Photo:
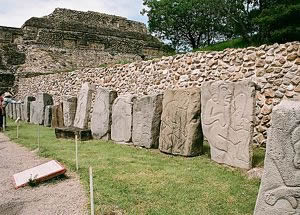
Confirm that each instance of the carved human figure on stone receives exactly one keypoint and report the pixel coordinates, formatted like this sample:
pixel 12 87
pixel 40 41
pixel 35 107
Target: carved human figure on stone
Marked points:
pixel 224 113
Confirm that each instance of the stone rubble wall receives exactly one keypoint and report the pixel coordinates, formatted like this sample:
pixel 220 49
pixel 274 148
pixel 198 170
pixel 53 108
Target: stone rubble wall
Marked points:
pixel 275 69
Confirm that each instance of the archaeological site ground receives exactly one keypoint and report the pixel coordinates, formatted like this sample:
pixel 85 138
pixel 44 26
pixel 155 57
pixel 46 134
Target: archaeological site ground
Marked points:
pixel 198 133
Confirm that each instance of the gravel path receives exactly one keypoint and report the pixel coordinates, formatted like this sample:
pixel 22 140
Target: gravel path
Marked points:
pixel 62 197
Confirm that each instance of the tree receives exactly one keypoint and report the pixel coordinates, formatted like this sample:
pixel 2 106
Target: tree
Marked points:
pixel 186 23
pixel 279 21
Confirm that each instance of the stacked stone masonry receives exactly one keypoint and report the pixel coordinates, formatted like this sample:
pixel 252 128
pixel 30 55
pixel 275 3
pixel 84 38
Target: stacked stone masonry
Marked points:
pixel 274 69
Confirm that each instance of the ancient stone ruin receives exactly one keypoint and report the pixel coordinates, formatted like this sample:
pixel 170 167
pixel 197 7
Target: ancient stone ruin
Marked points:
pixel 180 130
pixel 279 190
pixel 102 113
pixel 228 121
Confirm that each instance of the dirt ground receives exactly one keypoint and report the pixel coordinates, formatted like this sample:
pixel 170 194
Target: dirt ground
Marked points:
pixel 57 197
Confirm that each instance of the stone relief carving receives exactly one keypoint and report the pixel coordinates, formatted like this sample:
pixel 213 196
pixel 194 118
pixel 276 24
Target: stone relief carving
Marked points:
pixel 280 188
pixel 227 121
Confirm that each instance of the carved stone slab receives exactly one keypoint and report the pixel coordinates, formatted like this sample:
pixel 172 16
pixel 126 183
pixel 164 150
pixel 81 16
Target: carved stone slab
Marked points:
pixel 57 116
pixel 146 121
pixel 18 110
pixel 121 128
pixel 83 106
pixel 228 121
pixel 37 108
pixel 26 113
pixel 102 113
pixel 40 173
pixel 180 130
pixel 48 116
pixel 14 111
pixel 33 113
pixel 279 191
pixel 69 110
pixel 10 110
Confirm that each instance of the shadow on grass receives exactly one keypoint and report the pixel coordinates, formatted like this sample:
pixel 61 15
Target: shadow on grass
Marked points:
pixel 258 157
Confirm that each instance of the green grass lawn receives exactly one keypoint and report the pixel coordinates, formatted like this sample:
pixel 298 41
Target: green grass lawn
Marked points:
pixel 139 181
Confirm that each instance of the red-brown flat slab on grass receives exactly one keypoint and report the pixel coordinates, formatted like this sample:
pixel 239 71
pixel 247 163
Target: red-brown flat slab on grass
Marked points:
pixel 39 173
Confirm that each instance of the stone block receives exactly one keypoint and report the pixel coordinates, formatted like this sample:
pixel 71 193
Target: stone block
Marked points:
pixel 26 113
pixel 18 110
pixel 84 101
pixel 228 121
pixel 69 110
pixel 48 116
pixel 180 130
pixel 70 132
pixel 102 113
pixel 33 113
pixel 14 111
pixel 57 116
pixel 146 121
pixel 22 112
pixel 280 185
pixel 121 128
pixel 42 100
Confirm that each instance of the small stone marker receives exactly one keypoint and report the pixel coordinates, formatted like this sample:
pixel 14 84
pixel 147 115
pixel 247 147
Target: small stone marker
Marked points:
pixel 180 130
pixel 83 106
pixel 146 121
pixel 14 111
pixel 228 121
pixel 33 113
pixel 69 110
pixel 102 113
pixel 48 116
pixel 43 99
pixel 279 191
pixel 57 116
pixel 39 173
pixel 18 110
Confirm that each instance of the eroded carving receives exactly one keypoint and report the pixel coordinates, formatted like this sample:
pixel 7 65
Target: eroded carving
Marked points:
pixel 280 188
pixel 180 131
pixel 227 121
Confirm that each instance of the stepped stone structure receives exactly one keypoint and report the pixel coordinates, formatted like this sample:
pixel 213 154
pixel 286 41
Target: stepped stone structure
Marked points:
pixel 146 121
pixel 280 186
pixel 67 39
pixel 102 113
pixel 121 128
pixel 228 121
pixel 180 130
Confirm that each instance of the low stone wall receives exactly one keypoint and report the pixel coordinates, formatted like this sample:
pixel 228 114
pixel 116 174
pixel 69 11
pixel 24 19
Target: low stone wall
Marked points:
pixel 275 69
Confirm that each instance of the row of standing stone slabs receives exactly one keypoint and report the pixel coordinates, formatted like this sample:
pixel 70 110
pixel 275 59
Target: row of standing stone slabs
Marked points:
pixel 227 119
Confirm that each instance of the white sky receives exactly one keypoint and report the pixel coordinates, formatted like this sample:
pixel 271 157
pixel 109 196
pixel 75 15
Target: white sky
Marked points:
pixel 14 13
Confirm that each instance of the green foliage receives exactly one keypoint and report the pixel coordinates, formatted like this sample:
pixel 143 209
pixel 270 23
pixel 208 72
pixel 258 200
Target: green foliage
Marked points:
pixel 279 22
pixel 235 43
pixel 135 181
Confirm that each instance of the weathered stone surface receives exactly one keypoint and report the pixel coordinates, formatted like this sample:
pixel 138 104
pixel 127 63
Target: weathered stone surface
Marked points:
pixel 83 106
pixel 42 100
pixel 48 116
pixel 70 132
pixel 11 110
pixel 69 110
pixel 227 121
pixel 18 110
pixel 14 111
pixel 121 127
pixel 33 112
pixel 26 113
pixel 180 130
pixel 146 121
pixel 57 116
pixel 22 112
pixel 280 186
pixel 102 113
